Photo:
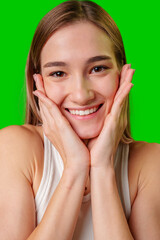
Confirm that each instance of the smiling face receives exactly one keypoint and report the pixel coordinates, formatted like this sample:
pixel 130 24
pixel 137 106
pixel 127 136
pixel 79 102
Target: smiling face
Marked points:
pixel 80 75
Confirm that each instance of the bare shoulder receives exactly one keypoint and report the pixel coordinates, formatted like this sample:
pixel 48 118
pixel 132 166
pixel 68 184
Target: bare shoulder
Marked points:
pixel 144 179
pixel 23 133
pixel 22 145
pixel 144 160
pixel 21 158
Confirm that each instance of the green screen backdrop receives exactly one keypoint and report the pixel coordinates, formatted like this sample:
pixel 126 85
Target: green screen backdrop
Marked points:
pixel 138 22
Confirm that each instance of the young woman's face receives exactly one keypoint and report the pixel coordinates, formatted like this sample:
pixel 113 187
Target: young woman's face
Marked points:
pixel 81 76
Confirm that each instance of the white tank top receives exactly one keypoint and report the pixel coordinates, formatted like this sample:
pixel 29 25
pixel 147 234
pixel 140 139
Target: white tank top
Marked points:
pixel 52 172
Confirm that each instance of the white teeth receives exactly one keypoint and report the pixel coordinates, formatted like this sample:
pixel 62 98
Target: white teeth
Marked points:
pixel 85 112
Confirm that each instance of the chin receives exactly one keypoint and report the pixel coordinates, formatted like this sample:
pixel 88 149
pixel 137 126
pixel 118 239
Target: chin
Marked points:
pixel 88 133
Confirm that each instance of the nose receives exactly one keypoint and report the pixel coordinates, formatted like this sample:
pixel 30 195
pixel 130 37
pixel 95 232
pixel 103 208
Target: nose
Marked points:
pixel 82 92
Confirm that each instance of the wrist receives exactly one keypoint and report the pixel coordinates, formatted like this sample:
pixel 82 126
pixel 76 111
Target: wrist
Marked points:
pixel 71 177
pixel 103 171
pixel 103 178
pixel 77 170
pixel 104 163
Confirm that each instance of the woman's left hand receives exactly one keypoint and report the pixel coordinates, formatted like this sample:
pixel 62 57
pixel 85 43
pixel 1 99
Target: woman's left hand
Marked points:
pixel 103 148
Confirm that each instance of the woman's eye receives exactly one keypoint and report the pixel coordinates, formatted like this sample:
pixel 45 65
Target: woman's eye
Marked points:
pixel 99 68
pixel 57 74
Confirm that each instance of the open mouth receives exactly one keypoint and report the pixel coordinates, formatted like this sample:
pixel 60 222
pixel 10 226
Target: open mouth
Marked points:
pixel 84 112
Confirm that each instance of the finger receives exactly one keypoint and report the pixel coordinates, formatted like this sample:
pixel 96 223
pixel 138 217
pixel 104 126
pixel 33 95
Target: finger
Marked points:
pixel 119 101
pixel 39 82
pixel 127 79
pixel 48 122
pixel 45 114
pixel 48 126
pixel 51 106
pixel 128 75
pixel 123 72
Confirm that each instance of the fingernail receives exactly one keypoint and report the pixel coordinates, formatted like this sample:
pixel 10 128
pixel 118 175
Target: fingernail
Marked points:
pixel 129 65
pixel 35 77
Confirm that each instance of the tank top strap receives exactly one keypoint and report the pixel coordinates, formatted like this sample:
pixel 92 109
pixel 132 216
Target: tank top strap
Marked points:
pixel 121 170
pixel 52 172
pixel 47 170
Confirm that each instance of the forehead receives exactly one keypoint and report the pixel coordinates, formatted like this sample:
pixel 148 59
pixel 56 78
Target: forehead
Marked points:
pixel 77 40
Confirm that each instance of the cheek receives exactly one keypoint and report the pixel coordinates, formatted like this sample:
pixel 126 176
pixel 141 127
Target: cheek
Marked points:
pixel 55 93
pixel 116 82
pixel 110 86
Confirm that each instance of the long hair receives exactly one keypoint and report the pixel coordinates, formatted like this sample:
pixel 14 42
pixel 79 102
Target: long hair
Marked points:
pixel 62 15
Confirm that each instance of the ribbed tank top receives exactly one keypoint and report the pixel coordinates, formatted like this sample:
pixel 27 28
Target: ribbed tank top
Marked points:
pixel 52 173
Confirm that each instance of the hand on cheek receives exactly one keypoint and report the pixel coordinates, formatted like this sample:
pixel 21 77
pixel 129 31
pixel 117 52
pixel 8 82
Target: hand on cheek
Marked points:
pixel 103 148
pixel 60 133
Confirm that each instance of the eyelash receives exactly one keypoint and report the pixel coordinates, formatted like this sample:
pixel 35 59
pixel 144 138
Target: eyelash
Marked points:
pixel 101 66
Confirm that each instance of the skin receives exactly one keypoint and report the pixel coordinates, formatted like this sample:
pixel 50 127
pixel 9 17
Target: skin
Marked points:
pixel 79 85
pixel 22 170
pixel 80 88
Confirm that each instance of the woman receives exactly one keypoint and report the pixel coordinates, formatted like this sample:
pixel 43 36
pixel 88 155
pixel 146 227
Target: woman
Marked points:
pixel 73 171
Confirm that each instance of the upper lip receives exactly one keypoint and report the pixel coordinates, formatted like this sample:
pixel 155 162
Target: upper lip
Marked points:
pixel 85 108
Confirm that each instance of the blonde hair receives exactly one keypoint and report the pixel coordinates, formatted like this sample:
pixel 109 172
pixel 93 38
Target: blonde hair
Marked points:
pixel 66 13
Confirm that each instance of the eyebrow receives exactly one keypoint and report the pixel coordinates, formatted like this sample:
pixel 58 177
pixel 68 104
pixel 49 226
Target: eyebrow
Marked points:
pixel 90 60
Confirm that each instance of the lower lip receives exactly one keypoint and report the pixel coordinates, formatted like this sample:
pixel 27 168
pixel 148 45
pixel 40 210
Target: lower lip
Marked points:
pixel 84 117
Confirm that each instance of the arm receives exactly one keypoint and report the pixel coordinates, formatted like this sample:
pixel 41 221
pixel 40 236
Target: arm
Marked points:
pixel 61 215
pixel 17 208
pixel 109 221
pixel 108 217
pixel 144 220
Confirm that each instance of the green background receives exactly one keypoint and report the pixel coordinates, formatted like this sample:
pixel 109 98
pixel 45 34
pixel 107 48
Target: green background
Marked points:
pixel 138 22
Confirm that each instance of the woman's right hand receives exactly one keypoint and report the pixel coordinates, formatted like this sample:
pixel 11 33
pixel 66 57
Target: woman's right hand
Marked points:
pixel 58 130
